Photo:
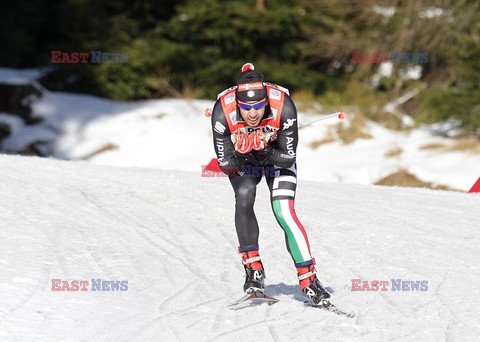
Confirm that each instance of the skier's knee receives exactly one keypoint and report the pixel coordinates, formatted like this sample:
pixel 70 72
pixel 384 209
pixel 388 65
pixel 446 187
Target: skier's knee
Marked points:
pixel 245 197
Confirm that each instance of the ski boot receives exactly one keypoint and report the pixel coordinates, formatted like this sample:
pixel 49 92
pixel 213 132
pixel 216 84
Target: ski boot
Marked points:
pixel 254 273
pixel 311 286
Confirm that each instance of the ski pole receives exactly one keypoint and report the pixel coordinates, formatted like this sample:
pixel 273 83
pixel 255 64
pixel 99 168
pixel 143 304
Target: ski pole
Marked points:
pixel 340 115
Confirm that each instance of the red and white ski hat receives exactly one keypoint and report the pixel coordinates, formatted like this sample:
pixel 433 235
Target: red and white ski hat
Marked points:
pixel 250 85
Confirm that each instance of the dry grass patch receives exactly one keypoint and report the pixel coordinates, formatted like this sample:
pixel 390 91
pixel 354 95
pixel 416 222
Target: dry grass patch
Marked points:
pixel 469 145
pixel 104 148
pixel 403 178
pixel 433 146
pixel 355 129
pixel 317 143
pixel 393 152
pixel 331 136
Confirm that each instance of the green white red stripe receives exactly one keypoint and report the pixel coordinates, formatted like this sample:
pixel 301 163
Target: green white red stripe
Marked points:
pixel 297 239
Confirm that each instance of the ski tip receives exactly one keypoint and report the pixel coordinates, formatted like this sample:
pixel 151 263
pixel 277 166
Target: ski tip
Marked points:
pixel 329 307
pixel 252 299
pixel 341 115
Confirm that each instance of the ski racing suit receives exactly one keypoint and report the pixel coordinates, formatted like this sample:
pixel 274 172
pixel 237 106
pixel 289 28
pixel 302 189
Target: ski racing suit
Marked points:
pixel 278 166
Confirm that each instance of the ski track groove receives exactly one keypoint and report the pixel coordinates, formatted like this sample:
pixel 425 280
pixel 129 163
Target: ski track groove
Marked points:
pixel 220 312
pixel 232 244
pixel 29 296
pixel 174 333
pixel 172 242
pixel 454 316
pixel 218 316
pixel 88 234
pixel 144 235
pixel 53 245
pixel 193 270
pixel 97 237
pixel 188 265
pixel 381 295
pixel 188 308
pixel 391 303
pixel 271 329
pixel 174 295
pixel 177 313
pixel 447 338
pixel 239 329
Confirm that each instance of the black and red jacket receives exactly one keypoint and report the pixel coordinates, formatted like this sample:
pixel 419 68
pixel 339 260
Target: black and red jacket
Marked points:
pixel 280 119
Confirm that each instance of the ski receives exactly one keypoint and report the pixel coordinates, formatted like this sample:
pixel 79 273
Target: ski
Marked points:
pixel 327 306
pixel 252 299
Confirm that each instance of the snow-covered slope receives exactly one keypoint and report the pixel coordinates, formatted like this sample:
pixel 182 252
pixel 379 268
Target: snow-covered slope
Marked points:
pixel 173 134
pixel 171 236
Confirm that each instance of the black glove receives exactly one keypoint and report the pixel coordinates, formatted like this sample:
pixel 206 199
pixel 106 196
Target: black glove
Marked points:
pixel 240 158
pixel 263 156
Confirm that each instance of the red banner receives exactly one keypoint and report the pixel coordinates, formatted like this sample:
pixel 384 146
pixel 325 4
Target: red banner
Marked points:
pixel 476 186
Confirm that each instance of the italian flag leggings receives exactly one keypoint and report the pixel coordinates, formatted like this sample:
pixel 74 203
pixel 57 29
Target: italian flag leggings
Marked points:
pixel 282 183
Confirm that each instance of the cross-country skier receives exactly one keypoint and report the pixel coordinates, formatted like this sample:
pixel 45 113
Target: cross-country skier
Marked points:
pixel 255 132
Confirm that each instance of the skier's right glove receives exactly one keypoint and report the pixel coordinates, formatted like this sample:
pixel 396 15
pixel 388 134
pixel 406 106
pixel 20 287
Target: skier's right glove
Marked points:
pixel 243 144
pixel 258 140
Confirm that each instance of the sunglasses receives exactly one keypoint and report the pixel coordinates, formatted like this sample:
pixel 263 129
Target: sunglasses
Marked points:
pixel 248 106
